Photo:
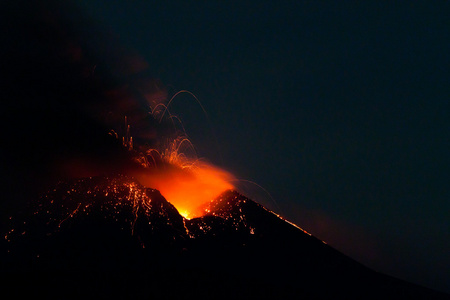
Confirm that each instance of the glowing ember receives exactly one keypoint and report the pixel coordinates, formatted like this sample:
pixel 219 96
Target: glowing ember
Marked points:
pixel 119 199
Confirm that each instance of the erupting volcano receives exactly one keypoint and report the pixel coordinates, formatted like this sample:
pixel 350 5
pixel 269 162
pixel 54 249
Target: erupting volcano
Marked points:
pixel 162 218
pixel 107 197
pixel 111 236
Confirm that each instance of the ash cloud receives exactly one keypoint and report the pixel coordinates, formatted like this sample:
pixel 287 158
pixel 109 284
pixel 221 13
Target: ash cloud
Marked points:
pixel 69 82
pixel 66 79
pixel 66 82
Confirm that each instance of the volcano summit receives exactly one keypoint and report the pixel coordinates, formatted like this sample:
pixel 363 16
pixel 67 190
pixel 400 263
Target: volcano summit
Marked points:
pixel 119 203
pixel 110 236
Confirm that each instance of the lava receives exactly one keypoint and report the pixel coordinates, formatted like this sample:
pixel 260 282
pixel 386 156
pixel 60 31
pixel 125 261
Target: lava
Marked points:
pixel 174 169
pixel 168 162
pixel 188 189
pixel 186 182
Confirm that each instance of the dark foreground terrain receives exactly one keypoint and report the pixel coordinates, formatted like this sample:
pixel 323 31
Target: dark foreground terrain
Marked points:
pixel 110 237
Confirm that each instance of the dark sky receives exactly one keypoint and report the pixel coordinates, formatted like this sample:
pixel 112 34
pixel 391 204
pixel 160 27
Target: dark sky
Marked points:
pixel 339 109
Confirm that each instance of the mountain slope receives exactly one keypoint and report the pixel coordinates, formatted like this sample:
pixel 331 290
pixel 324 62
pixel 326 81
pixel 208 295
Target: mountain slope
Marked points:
pixel 112 236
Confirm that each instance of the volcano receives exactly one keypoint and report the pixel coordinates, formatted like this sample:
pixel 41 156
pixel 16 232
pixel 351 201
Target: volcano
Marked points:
pixel 109 236
pixel 86 145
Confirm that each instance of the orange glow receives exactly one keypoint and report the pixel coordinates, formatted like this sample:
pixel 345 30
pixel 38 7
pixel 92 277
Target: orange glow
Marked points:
pixel 174 168
pixel 185 181
pixel 188 189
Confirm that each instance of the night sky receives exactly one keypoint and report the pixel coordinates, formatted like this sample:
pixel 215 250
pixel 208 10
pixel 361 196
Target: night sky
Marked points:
pixel 339 110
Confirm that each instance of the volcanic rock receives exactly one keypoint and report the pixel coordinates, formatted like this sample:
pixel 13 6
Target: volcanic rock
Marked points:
pixel 110 236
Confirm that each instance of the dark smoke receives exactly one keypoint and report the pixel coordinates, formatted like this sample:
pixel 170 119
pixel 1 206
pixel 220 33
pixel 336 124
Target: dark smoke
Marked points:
pixel 66 82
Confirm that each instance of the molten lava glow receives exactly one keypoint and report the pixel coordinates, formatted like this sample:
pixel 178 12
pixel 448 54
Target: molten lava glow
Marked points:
pixel 188 188
pixel 185 181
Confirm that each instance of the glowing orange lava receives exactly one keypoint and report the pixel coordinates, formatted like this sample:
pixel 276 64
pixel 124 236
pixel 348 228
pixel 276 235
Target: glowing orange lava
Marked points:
pixel 188 189
pixel 175 170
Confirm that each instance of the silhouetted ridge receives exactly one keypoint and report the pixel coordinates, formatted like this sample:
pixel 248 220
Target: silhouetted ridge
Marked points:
pixel 131 236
